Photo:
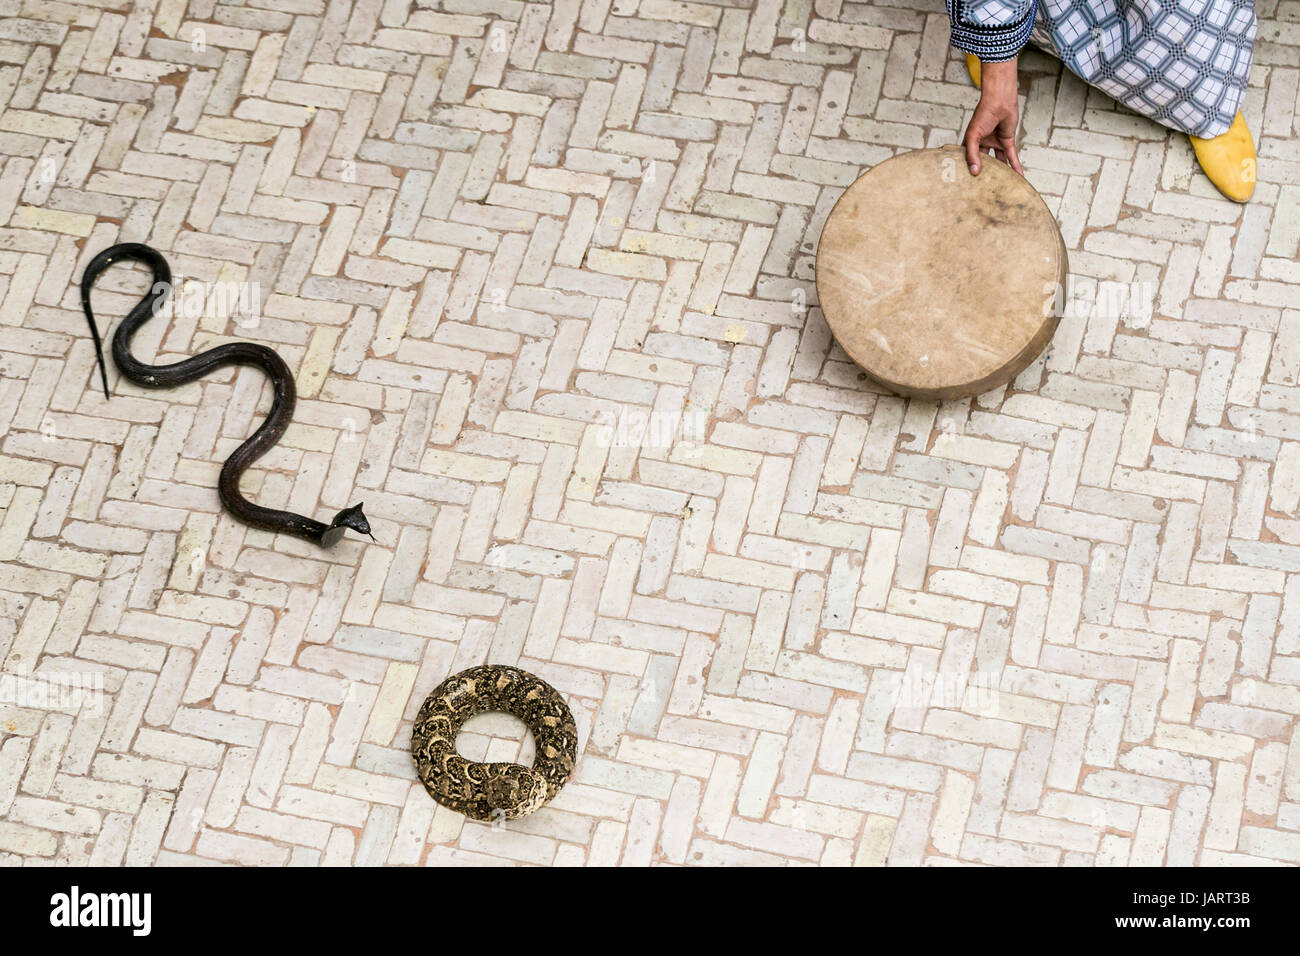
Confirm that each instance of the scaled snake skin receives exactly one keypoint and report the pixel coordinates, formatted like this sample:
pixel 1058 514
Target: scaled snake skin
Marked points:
pixel 187 370
pixel 494 791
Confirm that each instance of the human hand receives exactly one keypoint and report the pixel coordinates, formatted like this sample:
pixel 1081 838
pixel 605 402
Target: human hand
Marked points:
pixel 996 118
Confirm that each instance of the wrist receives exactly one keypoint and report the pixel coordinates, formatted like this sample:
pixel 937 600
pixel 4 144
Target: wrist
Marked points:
pixel 1001 74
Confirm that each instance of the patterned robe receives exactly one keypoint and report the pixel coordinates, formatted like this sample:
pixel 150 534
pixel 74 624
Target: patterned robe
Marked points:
pixel 1183 63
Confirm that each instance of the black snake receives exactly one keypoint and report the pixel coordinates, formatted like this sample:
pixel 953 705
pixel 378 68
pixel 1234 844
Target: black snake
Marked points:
pixel 493 791
pixel 187 370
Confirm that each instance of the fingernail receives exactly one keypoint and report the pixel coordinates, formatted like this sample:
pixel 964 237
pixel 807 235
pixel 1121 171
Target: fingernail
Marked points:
pixel 974 170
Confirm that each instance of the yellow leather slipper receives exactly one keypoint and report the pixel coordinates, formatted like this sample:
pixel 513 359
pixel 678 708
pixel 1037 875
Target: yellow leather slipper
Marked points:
pixel 973 68
pixel 1229 160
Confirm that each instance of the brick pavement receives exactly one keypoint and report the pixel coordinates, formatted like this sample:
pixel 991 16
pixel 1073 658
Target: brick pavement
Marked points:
pixel 545 275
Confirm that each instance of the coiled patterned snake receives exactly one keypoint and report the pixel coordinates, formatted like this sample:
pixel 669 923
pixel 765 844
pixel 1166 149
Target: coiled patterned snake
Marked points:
pixel 187 370
pixel 490 791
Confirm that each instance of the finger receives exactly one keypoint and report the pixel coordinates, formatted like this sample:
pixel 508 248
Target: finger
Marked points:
pixel 973 145
pixel 1013 157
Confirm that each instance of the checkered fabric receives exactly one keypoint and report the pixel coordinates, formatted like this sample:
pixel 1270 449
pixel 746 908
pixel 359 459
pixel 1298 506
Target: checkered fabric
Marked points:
pixel 1183 63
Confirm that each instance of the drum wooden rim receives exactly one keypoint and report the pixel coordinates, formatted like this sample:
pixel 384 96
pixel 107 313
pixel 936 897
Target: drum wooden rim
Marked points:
pixel 1019 307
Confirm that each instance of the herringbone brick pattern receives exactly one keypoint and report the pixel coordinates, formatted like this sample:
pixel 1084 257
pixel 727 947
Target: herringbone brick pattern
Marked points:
pixel 544 272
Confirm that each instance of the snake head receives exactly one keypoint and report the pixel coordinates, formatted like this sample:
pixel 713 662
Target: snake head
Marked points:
pixel 353 518
pixel 513 790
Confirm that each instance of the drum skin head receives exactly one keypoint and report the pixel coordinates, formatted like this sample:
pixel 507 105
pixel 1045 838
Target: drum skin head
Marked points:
pixel 940 284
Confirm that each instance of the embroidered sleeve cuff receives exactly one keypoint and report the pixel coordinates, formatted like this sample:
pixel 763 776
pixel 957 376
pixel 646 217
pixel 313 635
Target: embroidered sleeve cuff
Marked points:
pixel 992 44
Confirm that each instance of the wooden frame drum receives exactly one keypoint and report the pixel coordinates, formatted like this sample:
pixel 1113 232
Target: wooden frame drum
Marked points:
pixel 940 284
